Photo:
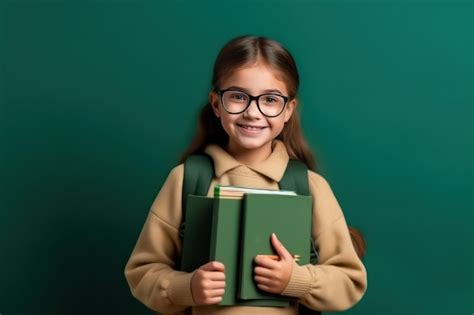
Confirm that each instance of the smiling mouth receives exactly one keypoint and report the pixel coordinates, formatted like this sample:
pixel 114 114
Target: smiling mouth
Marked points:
pixel 251 128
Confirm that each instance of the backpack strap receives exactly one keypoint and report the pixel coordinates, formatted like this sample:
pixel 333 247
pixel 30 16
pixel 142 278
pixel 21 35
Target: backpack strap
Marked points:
pixel 198 174
pixel 296 179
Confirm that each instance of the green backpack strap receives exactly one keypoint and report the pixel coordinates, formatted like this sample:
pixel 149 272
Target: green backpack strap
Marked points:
pixel 296 179
pixel 198 174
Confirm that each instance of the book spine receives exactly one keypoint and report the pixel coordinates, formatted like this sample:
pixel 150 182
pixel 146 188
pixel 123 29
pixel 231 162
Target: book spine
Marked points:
pixel 214 231
pixel 217 191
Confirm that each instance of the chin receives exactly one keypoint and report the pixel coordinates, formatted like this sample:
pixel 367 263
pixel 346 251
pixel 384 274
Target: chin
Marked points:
pixel 252 144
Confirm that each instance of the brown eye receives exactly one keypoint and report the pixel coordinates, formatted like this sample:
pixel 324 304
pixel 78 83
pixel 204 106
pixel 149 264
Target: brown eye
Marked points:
pixel 270 99
pixel 238 96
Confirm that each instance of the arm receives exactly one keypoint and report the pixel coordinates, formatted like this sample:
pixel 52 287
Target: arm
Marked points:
pixel 150 270
pixel 339 280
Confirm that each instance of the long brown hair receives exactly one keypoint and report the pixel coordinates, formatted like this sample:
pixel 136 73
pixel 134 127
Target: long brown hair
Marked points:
pixel 237 53
pixel 248 50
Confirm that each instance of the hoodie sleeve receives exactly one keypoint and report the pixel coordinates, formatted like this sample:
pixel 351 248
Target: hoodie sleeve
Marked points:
pixel 150 269
pixel 339 280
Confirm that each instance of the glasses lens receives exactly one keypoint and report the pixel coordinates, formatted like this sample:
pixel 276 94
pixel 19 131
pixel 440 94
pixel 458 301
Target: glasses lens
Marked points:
pixel 234 101
pixel 271 105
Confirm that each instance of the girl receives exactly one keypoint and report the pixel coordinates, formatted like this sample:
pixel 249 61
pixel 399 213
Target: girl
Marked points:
pixel 250 128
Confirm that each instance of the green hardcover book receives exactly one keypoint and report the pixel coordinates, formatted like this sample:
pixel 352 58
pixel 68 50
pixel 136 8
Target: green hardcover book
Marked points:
pixel 225 248
pixel 197 233
pixel 289 217
pixel 225 240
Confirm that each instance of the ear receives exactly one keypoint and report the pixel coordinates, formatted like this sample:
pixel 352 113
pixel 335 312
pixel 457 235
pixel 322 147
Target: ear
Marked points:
pixel 290 108
pixel 214 101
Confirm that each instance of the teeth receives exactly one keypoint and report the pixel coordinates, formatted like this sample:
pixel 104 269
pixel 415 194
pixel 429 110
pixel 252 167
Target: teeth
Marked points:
pixel 251 128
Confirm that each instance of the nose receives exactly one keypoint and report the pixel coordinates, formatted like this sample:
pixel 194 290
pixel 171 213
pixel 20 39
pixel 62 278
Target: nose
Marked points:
pixel 252 110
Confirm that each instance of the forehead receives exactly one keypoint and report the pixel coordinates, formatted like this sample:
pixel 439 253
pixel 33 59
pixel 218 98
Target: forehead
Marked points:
pixel 256 79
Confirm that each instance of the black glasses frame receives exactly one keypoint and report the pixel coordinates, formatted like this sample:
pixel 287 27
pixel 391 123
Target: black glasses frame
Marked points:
pixel 250 99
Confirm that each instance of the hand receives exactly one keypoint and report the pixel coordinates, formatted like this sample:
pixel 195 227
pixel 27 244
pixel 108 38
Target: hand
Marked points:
pixel 271 275
pixel 208 283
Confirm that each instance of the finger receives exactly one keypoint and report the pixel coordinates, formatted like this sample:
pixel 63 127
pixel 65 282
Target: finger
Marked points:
pixel 263 280
pixel 215 285
pixel 279 248
pixel 216 293
pixel 215 275
pixel 213 300
pixel 263 261
pixel 266 288
pixel 263 272
pixel 213 266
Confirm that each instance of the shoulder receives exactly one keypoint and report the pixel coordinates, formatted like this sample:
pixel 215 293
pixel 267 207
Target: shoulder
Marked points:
pixel 176 175
pixel 167 204
pixel 173 183
pixel 327 206
pixel 317 182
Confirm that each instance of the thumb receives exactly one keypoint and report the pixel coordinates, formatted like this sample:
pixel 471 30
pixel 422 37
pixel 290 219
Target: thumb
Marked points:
pixel 279 248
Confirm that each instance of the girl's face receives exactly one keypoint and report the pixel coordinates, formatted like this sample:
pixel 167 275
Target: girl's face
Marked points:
pixel 251 130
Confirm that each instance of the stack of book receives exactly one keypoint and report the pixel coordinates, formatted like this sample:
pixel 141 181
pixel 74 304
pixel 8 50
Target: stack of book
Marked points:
pixel 235 226
pixel 235 192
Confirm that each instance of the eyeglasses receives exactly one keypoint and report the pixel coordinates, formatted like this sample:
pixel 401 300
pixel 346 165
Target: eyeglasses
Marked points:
pixel 236 102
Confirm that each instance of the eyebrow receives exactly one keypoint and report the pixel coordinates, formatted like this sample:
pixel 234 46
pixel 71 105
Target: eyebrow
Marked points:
pixel 234 87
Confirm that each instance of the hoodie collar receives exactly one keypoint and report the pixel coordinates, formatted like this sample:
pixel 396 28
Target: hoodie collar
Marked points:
pixel 273 167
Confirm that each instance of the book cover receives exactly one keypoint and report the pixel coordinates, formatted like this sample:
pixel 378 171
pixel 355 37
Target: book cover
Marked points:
pixel 225 241
pixel 225 248
pixel 289 217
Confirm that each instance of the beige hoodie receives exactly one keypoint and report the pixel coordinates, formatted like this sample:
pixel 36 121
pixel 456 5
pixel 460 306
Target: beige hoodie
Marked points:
pixel 337 282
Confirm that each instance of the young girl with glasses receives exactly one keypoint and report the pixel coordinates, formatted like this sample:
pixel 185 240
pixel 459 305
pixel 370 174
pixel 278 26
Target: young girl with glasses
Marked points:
pixel 250 128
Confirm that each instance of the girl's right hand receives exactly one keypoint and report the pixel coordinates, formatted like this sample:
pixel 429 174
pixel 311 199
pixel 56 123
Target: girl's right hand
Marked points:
pixel 208 283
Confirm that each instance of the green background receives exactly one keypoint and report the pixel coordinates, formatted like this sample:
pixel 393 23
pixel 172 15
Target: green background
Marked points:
pixel 99 98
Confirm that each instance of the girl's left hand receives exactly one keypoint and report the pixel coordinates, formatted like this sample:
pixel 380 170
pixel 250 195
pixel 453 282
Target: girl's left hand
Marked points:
pixel 273 275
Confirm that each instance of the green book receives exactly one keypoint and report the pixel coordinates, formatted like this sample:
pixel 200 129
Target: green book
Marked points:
pixel 289 217
pixel 225 248
pixel 197 233
pixel 213 232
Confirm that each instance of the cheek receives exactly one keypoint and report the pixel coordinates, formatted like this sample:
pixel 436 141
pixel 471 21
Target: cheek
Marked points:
pixel 227 121
pixel 278 123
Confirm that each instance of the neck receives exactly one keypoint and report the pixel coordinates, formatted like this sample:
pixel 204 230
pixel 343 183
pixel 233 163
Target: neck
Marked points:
pixel 250 156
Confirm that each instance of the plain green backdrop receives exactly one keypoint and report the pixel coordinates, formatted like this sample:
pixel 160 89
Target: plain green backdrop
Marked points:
pixel 99 99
